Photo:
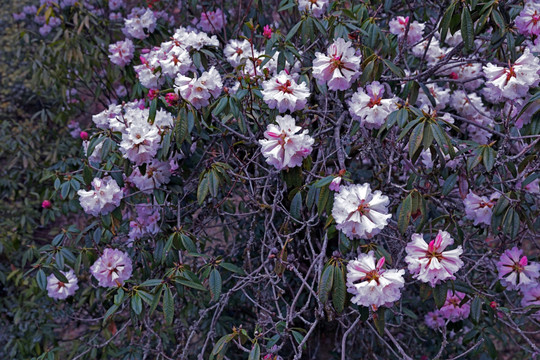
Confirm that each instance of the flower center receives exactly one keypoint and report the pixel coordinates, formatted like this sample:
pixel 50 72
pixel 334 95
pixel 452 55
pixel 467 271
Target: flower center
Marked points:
pixel 363 208
pixel 372 275
pixel 485 204
pixel 285 87
pixel 374 102
pixel 510 73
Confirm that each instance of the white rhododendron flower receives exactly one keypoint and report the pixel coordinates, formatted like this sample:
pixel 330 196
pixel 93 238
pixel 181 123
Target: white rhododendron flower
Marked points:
pixel 198 90
pixel 369 107
pixel 59 290
pixel 372 285
pixel 339 67
pixel 140 23
pixel 480 208
pixel 398 26
pixel 121 52
pixel 316 7
pixel 237 51
pixel 145 222
pixel 440 95
pixel 112 268
pixel 430 263
pixel 359 212
pixel 284 147
pixel 140 142
pixel 515 271
pixel 157 173
pixel 282 92
pixel 514 81
pixel 103 198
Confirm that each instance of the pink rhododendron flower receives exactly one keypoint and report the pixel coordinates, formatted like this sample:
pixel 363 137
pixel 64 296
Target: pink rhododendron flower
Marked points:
pixel 103 198
pixel 359 212
pixel 140 142
pixel 334 185
pixel 316 7
pixel 60 290
pixel 480 208
pixel 112 268
pixel 282 92
pixel 434 319
pixel 515 80
pixel 283 147
pixel 46 204
pixel 515 271
pixel 372 285
pixel 157 173
pixel 528 21
pixel 121 52
pixel 146 221
pixel 398 26
pixel 369 107
pixel 430 263
pixel 267 32
pixel 452 310
pixel 212 21
pixel 198 91
pixel 531 297
pixel 339 67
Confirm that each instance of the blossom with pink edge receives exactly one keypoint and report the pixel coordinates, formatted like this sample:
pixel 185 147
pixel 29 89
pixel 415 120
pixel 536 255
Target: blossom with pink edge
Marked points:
pixel 140 23
pixel 112 268
pixel 198 90
pixel 429 263
pixel 480 208
pixel 146 221
pixel 531 297
pixel 157 173
pixel 359 212
pixel 212 21
pixel 283 147
pixel 398 26
pixel 452 309
pixel 339 67
pixel 369 107
pixel 515 271
pixel 59 290
pixel 372 285
pixel 121 52
pixel 140 142
pixel 434 319
pixel 514 81
pixel 316 7
pixel 282 92
pixel 103 198
pixel 528 21
pixel 334 185
pixel 237 51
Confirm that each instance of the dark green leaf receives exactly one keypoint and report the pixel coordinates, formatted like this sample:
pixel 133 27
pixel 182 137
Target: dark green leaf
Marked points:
pixel 325 285
pixel 439 294
pixel 168 306
pixel 215 284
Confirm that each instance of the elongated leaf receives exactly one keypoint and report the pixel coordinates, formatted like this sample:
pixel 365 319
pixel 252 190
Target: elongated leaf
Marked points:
pixel 415 140
pixel 476 310
pixel 168 306
pixel 467 29
pixel 255 353
pixel 445 22
pixel 405 214
pixel 449 183
pixel 215 284
pixel 296 205
pixel 325 285
pixel 339 290
pixel 439 294
pixel 379 320
pixel 232 267
pixel 41 279
pixel 488 156
pixel 136 303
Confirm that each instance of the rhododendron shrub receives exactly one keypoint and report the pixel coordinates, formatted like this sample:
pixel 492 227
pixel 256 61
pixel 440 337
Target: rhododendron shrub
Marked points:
pixel 302 180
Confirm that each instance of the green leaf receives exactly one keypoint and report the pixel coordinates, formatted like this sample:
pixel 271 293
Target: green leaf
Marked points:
pixel 501 204
pixel 511 223
pixel 324 181
pixel 255 353
pixel 325 284
pixel 41 279
pixel 297 336
pixel 60 276
pixel 221 344
pixel 396 70
pixel 215 284
pixel 189 245
pixel 203 189
pixel 293 31
pixel 445 22
pixel 339 290
pixel 153 110
pixel 476 310
pixel 296 205
pixel 136 303
pixel 473 161
pixel 488 155
pixel 168 306
pixel 415 140
pixel 232 267
pixel 405 214
pixel 449 183
pixel 467 28
pixel 151 282
pixel 110 313
pixel 379 320
pixel 439 294
pixel 324 196
pixel 190 284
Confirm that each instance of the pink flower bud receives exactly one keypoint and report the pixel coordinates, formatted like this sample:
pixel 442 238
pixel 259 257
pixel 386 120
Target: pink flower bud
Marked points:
pixel 454 75
pixel 152 94
pixel 171 99
pixel 84 135
pixel 380 263
pixel 523 261
pixel 267 32
pixel 46 204
pixel 493 305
